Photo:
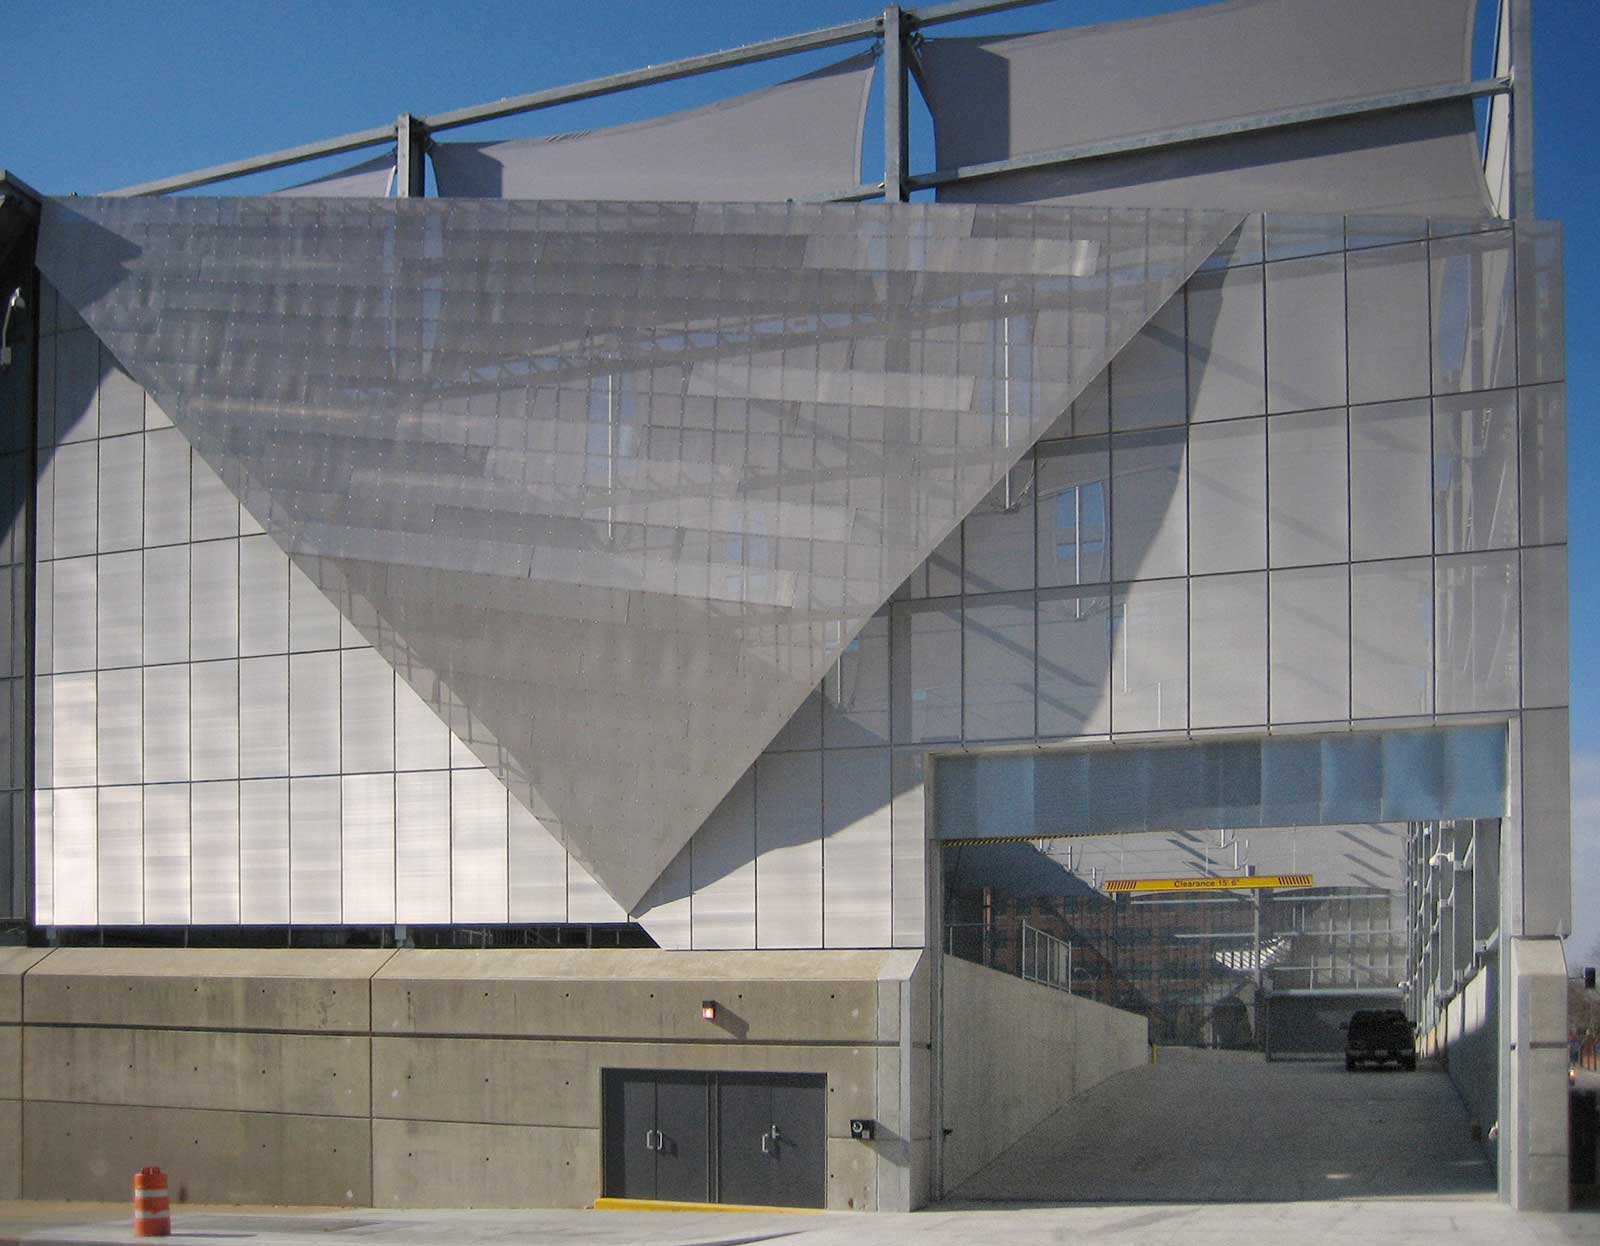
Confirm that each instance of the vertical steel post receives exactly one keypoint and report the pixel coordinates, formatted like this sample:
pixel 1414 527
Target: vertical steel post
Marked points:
pixel 895 142
pixel 410 148
pixel 1521 14
pixel 1255 944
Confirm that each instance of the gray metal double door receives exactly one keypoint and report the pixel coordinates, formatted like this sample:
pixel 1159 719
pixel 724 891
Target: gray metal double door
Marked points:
pixel 772 1139
pixel 655 1135
pixel 756 1138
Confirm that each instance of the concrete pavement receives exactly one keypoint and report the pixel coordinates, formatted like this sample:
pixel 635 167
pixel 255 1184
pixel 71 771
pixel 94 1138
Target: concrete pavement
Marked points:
pixel 1207 1149
pixel 1217 1126
pixel 1415 1222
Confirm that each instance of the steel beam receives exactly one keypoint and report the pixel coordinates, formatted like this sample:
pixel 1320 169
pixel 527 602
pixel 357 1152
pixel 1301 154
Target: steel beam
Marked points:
pixel 375 137
pixel 896 146
pixel 410 156
pixel 671 71
pixel 1258 123
pixel 1521 13
pixel 961 9
pixel 855 194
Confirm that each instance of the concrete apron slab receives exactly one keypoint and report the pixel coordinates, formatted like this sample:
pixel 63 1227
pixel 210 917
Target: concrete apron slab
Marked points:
pixel 1229 1128
pixel 1404 1222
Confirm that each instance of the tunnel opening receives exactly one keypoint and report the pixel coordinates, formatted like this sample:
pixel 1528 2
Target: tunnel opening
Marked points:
pixel 1265 1010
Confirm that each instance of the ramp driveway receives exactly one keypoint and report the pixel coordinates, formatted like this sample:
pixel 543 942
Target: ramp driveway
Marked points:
pixel 1211 1126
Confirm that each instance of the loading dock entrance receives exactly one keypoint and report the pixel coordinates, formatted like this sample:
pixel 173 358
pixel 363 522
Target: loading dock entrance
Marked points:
pixel 1400 832
pixel 684 1136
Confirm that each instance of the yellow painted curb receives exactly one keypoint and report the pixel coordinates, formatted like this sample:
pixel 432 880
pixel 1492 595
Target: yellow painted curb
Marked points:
pixel 661 1204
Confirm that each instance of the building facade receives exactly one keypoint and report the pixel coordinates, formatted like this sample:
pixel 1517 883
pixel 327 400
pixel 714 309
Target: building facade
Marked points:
pixel 555 560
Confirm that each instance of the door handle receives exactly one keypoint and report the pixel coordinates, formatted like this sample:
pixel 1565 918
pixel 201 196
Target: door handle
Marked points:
pixel 648 1134
pixel 661 1141
pixel 765 1138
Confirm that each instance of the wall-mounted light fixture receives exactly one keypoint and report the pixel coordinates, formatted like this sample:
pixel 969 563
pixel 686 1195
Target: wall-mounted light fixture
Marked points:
pixel 708 1009
pixel 14 304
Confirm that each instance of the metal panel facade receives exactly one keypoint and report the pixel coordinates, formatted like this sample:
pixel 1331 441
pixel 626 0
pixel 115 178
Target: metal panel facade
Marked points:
pixel 1417 550
pixel 662 545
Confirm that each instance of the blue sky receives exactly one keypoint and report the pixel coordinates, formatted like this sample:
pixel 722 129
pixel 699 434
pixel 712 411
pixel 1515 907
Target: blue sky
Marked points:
pixel 103 95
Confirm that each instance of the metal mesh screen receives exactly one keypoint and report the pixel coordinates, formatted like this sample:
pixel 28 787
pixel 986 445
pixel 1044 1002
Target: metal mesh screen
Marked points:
pixel 613 484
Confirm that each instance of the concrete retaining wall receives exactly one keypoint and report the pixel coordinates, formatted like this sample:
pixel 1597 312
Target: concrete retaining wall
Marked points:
pixel 1466 1037
pixel 14 962
pixel 1534 1172
pixel 428 1078
pixel 1014 1053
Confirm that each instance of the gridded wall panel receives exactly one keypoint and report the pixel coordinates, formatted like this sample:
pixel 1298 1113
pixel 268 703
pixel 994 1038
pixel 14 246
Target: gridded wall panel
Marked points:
pixel 1398 559
pixel 198 670
pixel 1416 537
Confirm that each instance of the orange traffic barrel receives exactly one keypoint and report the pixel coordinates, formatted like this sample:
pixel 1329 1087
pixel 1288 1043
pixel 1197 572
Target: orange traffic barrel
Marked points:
pixel 152 1215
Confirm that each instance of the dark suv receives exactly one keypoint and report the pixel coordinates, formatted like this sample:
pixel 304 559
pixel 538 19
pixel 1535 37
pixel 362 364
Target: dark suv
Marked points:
pixel 1378 1036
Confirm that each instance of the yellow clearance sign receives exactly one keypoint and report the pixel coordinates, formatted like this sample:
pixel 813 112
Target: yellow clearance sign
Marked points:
pixel 1250 883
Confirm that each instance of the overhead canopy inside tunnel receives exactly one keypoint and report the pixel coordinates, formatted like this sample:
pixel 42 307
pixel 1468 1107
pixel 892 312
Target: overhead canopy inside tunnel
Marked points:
pixel 1277 781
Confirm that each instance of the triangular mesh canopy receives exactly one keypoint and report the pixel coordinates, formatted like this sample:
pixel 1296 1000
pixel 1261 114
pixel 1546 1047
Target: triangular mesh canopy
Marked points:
pixel 613 484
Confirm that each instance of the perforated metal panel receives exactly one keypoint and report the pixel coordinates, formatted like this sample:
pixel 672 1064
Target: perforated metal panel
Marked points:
pixel 857 896
pixel 789 847
pixel 366 711
pixel 166 604
pixel 314 713
pixel 477 847
pixel 264 851
pixel 166 853
pixel 214 706
pixel 74 585
pixel 119 713
pixel 368 848
pixel 263 597
pixel 537 866
pixel 120 867
pixel 422 846
pixel 263 717
pixel 121 492
pixel 166 724
pixel 315 886
pixel 723 872
pixel 214 831
pixel 670 457
pixel 76 847
pixel 121 623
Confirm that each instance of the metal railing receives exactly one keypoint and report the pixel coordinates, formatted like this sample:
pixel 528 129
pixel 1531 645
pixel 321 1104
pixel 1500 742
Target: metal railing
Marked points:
pixel 1046 959
pixel 1014 947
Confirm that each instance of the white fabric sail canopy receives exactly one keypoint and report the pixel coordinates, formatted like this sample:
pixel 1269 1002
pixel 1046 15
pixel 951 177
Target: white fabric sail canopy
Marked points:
pixel 796 140
pixel 996 98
